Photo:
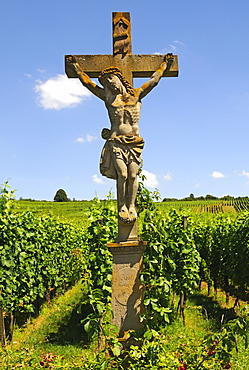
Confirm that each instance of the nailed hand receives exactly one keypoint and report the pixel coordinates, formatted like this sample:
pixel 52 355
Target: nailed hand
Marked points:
pixel 71 59
pixel 169 58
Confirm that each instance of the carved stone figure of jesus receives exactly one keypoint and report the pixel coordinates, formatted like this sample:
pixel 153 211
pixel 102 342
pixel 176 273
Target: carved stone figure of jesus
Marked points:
pixel 121 154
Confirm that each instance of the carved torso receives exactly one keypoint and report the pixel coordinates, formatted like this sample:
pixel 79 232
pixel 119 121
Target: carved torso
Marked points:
pixel 124 114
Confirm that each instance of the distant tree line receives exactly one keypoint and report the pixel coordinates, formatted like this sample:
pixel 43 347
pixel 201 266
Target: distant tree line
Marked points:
pixel 61 196
pixel 207 197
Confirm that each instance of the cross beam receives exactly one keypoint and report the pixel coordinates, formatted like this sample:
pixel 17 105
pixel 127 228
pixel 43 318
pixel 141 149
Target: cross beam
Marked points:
pixel 131 65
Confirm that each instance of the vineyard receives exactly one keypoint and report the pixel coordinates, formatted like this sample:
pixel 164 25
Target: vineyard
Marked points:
pixel 209 206
pixel 75 211
pixel 191 245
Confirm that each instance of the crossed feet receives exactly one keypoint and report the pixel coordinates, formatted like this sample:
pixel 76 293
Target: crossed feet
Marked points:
pixel 127 216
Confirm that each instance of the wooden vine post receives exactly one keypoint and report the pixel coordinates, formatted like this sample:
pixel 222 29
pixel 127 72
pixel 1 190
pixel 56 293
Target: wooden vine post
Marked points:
pixel 2 326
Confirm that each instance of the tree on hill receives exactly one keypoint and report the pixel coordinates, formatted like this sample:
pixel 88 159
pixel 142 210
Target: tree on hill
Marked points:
pixel 61 196
pixel 210 197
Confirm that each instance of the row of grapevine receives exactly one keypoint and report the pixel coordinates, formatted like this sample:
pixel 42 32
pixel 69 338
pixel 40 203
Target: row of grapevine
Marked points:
pixel 223 244
pixel 212 247
pixel 171 264
pixel 241 204
pixel 37 255
pixel 231 205
pixel 176 259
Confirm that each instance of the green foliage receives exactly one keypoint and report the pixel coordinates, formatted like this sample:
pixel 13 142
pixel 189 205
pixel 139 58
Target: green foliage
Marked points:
pixel 223 244
pixel 171 263
pixel 145 198
pixel 6 198
pixel 61 196
pixel 102 229
pixel 38 255
pixel 74 213
pixel 172 349
pixel 238 258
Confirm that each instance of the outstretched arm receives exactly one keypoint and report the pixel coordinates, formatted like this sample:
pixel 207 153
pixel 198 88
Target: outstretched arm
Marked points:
pixel 85 79
pixel 155 78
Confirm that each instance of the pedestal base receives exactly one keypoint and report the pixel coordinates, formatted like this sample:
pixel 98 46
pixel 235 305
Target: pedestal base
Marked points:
pixel 127 231
pixel 127 290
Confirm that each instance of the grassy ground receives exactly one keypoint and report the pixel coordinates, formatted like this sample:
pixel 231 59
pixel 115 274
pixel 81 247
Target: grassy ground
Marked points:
pixel 217 312
pixel 55 335
pixel 56 339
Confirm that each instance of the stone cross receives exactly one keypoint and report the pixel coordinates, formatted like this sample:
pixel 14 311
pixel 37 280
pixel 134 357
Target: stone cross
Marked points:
pixel 124 110
pixel 131 65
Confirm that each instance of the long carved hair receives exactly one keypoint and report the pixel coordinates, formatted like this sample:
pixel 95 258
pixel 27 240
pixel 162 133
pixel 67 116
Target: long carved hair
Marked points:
pixel 116 71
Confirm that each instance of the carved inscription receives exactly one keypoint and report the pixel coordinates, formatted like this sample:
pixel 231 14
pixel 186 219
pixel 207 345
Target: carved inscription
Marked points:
pixel 127 286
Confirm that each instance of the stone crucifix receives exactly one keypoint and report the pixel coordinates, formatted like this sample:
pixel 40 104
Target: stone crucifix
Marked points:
pixel 121 155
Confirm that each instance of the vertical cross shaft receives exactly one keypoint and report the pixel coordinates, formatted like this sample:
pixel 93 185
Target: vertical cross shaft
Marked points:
pixel 121 33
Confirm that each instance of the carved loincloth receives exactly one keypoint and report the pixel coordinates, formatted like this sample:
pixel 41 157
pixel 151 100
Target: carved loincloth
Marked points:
pixel 126 148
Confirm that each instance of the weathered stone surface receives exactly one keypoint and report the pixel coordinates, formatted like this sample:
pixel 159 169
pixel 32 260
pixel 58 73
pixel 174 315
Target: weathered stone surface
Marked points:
pixel 121 31
pixel 127 290
pixel 127 232
pixel 140 65
pixel 131 65
pixel 121 154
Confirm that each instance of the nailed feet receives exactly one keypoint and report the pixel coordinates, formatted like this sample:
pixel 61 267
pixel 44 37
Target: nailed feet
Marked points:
pixel 127 216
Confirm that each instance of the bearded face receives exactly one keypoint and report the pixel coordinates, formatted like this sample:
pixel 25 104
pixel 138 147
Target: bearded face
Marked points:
pixel 113 83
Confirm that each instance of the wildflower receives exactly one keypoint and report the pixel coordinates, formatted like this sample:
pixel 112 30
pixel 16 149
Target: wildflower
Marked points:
pixel 182 367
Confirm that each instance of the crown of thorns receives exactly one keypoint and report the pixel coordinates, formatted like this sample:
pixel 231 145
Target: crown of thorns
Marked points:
pixel 116 71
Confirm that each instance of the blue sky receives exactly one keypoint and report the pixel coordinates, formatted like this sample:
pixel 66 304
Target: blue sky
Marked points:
pixel 195 126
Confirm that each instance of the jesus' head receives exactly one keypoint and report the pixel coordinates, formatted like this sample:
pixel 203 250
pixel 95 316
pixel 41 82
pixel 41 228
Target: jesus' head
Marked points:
pixel 113 78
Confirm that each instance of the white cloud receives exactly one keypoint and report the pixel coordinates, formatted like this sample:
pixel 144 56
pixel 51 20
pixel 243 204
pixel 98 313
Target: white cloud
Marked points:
pixel 167 177
pixel 80 140
pixel 42 71
pixel 179 42
pixel 244 173
pixel 171 48
pixel 197 185
pixel 60 92
pixel 162 51
pixel 97 180
pixel 217 175
pixel 88 138
pixel 151 180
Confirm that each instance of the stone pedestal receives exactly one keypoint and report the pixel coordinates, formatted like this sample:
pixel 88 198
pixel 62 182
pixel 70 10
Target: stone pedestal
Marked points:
pixel 127 231
pixel 127 290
